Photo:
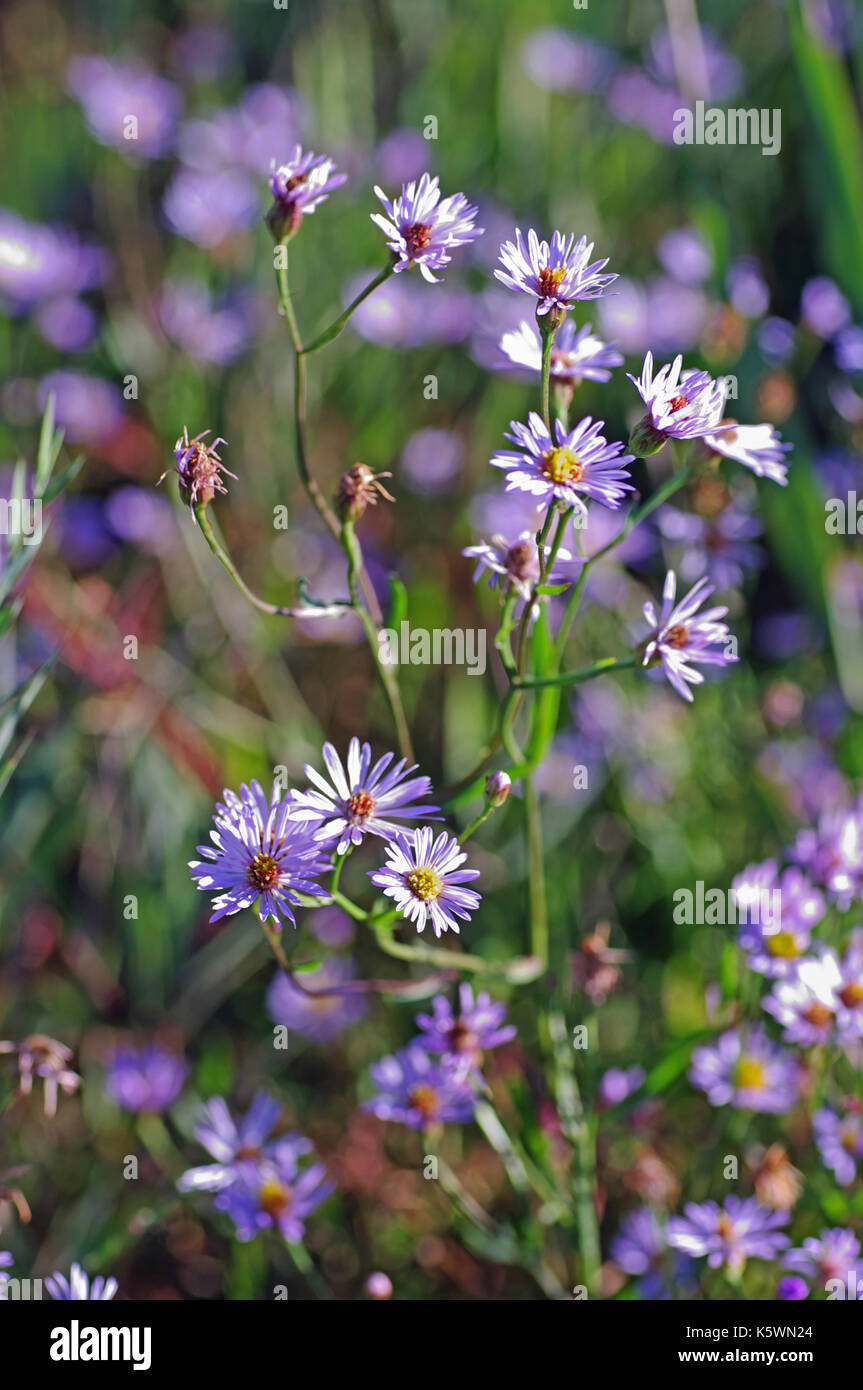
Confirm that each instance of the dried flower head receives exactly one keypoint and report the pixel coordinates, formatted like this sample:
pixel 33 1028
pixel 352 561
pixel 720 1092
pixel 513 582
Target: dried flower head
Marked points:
pixel 775 1180
pixel 359 488
pixel 596 966
pixel 45 1058
pixel 198 467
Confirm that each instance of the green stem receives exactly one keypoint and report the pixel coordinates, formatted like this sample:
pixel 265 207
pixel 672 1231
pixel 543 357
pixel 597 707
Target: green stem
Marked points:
pixel 338 324
pixel 576 1129
pixel 576 677
pixel 536 872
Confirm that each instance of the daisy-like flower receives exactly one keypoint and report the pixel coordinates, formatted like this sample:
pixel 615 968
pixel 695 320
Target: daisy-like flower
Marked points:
pixel 745 1069
pixel 261 855
pixel 424 878
pixel 844 980
pixel 463 1036
pixel 832 1255
pixel 804 1004
pixel 78 1288
pixel 232 1143
pixel 198 467
pixel 641 1248
pixel 840 1141
pixel 833 854
pixel 569 467
pixel 360 800
pixel 418 1091
pixel 775 943
pixel 576 355
pixel 146 1078
pixel 757 447
pixel 729 1235
pixel 44 1059
pixel 515 565
pixel 680 635
pixel 680 405
pixel 276 1192
pixel 298 187
pixel 555 274
pixel 421 227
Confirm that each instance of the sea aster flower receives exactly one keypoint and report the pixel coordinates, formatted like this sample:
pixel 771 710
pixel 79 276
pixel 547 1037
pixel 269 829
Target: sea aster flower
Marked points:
pixel 576 355
pixel 45 1059
pixel 422 228
pixel 515 565
pixel 261 855
pixel 78 1288
pixel 745 1069
pixel 719 547
pixel 776 941
pixel 417 1091
pixel 804 1004
pixel 555 275
pixel 729 1235
pixel 231 1142
pixel 298 187
pixel 679 638
pixel 275 1191
pixel 840 1141
pixel 198 467
pixel 125 106
pixel 843 979
pixel 316 1004
pixel 568 467
pixel 464 1035
pixel 641 1248
pixel 146 1078
pixel 680 405
pixel 424 880
pixel 833 854
pixel 756 446
pixel 832 1255
pixel 359 800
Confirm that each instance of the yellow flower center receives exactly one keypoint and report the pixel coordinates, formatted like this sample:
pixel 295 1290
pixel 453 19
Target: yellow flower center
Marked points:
pixel 818 1015
pixel 562 466
pixel 273 1197
pixel 424 1099
pixel 852 996
pixel 550 280
pixel 424 884
pixel 263 871
pixel 749 1073
pixel 783 945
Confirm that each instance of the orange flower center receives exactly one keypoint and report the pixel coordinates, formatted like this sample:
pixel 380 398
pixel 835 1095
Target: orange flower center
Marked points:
pixel 550 280
pixel 359 807
pixel 676 636
pixel 818 1015
pixel 417 237
pixel 424 1099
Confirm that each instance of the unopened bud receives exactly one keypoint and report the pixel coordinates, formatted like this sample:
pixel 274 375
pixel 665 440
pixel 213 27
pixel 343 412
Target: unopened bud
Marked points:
pixel 497 787
pixel 646 439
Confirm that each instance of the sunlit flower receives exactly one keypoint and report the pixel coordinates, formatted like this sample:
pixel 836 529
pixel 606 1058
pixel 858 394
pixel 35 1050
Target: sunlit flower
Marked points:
pixel 418 1091
pixel 275 1191
pixel 745 1069
pixel 298 187
pixel 261 856
pixel 424 878
pixel 78 1288
pixel 516 565
pixel 463 1035
pixel 571 466
pixel 576 354
pixel 555 274
pixel 757 447
pixel 680 404
pixel 832 1255
pixel 730 1234
pixel 681 635
pixel 359 799
pixel 421 227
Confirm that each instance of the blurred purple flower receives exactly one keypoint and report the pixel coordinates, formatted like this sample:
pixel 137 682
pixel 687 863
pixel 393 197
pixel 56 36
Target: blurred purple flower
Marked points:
pixel 776 340
pixel 208 330
pixel 464 1035
pixel 407 312
pixel 247 137
pixel 39 263
pixel 417 1091
pixel 403 155
pixel 718 547
pixel 833 853
pixel 577 354
pixel 685 255
pixel 557 61
pixel 823 307
pixel 231 1142
pixel 78 1288
pixel 724 73
pixel 89 410
pixel 848 348
pixel 146 1078
pixel 275 1192
pixel 68 324
pixel 745 1069
pixel 126 107
pixel 641 1248
pixel 617 1085
pixel 431 460
pixel 791 1289
pixel 747 288
pixel 207 208
pixel 840 1141
pixel 313 1005
pixel 729 1235
pixel 831 1255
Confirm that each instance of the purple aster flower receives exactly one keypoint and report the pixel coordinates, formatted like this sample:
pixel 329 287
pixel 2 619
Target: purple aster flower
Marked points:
pixel 208 206
pixel 680 404
pixel 729 1235
pixel 421 228
pixel 126 107
pixel 804 1004
pixel 555 275
pixel 317 1005
pixel 833 853
pixel 776 940
pixel 745 1069
pixel 232 1143
pixel 78 1288
pixel 718 547
pixel 831 1255
pixel 617 1085
pixel 299 187
pixel 576 354
pixel 39 263
pixel 840 1141
pixel 68 324
pixel 360 800
pixel 791 1289
pixel 678 637
pixel 844 980
pixel 145 1078
pixel 199 467
pixel 823 307
pixel 424 880
pixel 463 1036
pixel 418 1091
pixel 557 61
pixel 685 254
pixel 516 565
pixel 571 465
pixel 89 410
pixel 431 460
pixel 747 288
pixel 641 1248
pixel 848 349
pixel 261 856
pixel 275 1191
pixel 207 329
pixel 757 447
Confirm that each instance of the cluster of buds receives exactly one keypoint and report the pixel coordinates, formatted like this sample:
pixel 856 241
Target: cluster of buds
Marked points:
pixel 199 467
pixel 358 489
pixel 47 1060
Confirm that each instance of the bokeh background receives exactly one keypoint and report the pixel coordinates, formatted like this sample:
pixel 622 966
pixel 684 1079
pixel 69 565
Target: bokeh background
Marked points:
pixel 137 288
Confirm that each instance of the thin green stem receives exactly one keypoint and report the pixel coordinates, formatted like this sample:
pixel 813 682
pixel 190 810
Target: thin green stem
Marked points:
pixel 576 1129
pixel 601 668
pixel 536 872
pixel 338 324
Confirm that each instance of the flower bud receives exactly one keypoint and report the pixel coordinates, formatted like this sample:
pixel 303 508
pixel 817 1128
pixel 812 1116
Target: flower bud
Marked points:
pixel 497 787
pixel 646 439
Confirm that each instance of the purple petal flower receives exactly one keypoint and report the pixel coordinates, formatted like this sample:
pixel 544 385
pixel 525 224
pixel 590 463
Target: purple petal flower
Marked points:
pixel 208 207
pixel 421 228
pixel 833 853
pixel 678 637
pixel 231 1142
pixel 718 547
pixel 804 1004
pixel 556 274
pixel 126 107
pixel 146 1078
pixel 791 1289
pixel 424 879
pixel 576 354
pixel 730 1234
pixel 360 800
pixel 775 943
pixel 569 466
pixel 680 404
pixel 38 263
pixel 757 447
pixel 517 565
pixel 832 1255
pixel 463 1036
pixel 275 1192
pixel 617 1085
pixel 315 1005
pixel 261 856
pixel 840 1141
pixel 78 1288
pixel 823 307
pixel 641 1248
pixel 300 186
pixel 745 1069
pixel 417 1091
